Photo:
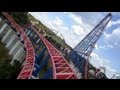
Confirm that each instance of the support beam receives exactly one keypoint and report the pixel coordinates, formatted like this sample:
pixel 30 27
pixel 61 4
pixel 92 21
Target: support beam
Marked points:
pixel 3 27
pixel 5 31
pixel 48 74
pixel 17 48
pixel 13 48
pixel 11 41
pixel 38 58
pixel 3 22
pixel 44 62
pixel 6 35
pixel 19 56
pixel 1 19
pixel 28 32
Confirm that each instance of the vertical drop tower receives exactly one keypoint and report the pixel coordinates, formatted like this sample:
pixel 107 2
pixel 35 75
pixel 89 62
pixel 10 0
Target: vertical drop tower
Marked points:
pixel 81 53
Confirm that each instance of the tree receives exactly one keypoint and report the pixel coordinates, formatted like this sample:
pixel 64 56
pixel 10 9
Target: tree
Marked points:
pixel 20 17
pixel 7 71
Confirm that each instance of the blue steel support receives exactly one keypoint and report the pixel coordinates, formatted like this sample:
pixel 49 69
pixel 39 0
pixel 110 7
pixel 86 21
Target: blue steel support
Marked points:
pixel 39 45
pixel 32 36
pixel 35 40
pixel 29 33
pixel 48 74
pixel 86 46
pixel 39 68
pixel 81 66
pixel 40 55
pixel 78 61
pixel 73 56
pixel 38 48
pixel 26 30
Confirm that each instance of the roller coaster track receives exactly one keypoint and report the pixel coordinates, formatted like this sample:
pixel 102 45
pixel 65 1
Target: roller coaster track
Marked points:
pixel 27 69
pixel 60 67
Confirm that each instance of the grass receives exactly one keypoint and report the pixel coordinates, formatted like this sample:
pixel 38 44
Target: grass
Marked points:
pixel 3 52
pixel 4 62
pixel 6 70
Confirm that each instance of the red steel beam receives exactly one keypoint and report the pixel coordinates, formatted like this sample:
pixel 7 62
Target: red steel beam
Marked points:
pixel 28 67
pixel 61 68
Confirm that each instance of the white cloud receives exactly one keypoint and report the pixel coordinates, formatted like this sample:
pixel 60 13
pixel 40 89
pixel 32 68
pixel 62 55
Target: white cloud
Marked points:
pixel 111 23
pixel 79 21
pixel 108 46
pixel 91 18
pixel 112 39
pixel 40 16
pixel 58 21
pixel 78 30
pixel 99 61
pixel 110 71
pixel 76 19
pixel 96 60
pixel 96 46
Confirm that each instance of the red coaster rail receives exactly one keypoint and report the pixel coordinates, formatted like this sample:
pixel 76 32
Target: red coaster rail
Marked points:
pixel 60 66
pixel 28 67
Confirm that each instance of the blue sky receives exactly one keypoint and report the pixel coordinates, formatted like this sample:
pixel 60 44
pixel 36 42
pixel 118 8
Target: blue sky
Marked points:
pixel 74 26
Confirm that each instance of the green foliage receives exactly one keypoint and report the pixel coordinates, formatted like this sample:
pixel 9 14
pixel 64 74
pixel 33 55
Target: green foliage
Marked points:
pixel 20 17
pixel 6 70
pixel 16 69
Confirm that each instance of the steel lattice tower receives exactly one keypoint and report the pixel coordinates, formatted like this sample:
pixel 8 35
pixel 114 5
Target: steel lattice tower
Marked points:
pixel 85 47
pixel 81 53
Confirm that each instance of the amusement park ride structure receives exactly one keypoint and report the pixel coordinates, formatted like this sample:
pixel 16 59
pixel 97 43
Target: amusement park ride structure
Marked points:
pixel 81 53
pixel 39 54
pixel 60 68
